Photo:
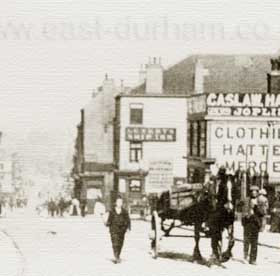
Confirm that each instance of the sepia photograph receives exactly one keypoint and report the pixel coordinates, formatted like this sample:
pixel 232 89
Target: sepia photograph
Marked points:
pixel 140 138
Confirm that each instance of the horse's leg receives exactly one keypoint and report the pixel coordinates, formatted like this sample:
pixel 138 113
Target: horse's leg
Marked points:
pixel 216 243
pixel 228 254
pixel 196 253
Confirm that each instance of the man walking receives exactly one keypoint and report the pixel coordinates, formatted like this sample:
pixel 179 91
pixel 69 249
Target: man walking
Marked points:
pixel 252 222
pixel 118 223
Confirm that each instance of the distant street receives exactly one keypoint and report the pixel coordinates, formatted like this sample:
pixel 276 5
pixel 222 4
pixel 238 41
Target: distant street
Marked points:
pixel 81 246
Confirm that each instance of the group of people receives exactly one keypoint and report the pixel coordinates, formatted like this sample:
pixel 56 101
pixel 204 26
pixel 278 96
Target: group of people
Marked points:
pixel 9 204
pixel 60 207
pixel 57 207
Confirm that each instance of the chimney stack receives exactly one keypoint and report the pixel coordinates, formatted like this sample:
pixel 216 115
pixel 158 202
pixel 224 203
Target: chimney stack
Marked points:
pixel 200 73
pixel 154 77
pixel 273 78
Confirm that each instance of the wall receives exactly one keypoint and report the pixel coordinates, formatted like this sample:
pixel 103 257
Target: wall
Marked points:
pixel 98 128
pixel 158 112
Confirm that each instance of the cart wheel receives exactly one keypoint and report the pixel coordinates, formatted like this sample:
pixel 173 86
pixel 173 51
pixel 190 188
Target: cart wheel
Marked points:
pixel 157 235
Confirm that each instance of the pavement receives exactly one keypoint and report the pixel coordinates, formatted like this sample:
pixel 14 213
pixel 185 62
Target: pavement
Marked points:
pixel 76 246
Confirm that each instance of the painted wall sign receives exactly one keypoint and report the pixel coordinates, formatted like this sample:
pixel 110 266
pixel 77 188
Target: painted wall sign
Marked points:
pixel 247 145
pixel 250 104
pixel 160 177
pixel 150 134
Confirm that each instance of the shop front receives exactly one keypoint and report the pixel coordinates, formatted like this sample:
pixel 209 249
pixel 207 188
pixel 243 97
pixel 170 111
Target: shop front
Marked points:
pixel 92 190
pixel 132 187
pixel 238 131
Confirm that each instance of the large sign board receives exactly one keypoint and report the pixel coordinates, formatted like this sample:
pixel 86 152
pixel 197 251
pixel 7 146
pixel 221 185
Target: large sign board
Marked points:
pixel 250 104
pixel 146 134
pixel 246 145
pixel 160 177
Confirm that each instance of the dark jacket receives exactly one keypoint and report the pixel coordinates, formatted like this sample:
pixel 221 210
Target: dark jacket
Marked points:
pixel 254 218
pixel 118 223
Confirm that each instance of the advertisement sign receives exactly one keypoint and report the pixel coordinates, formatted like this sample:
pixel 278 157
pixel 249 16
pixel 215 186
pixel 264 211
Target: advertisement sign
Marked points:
pixel 160 177
pixel 249 104
pixel 150 134
pixel 246 145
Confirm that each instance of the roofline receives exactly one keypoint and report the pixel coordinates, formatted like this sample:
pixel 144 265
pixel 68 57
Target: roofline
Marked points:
pixel 151 96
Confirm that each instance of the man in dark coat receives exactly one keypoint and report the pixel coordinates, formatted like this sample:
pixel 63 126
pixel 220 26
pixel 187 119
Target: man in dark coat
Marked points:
pixel 252 222
pixel 118 223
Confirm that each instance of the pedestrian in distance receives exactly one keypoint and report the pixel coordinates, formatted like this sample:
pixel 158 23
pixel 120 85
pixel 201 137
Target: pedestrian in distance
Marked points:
pixel 252 222
pixel 83 207
pixel 52 207
pixel 99 208
pixel 76 211
pixel 118 223
pixel 264 206
pixel 61 206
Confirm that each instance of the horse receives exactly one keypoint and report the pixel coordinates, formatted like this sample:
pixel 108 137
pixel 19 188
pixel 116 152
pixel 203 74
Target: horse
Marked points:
pixel 213 206
pixel 222 214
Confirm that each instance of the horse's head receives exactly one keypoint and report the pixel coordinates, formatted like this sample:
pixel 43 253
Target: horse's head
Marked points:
pixel 221 191
pixel 229 192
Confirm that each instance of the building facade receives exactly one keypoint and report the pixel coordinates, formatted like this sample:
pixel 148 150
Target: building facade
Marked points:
pixel 93 168
pixel 238 130
pixel 150 140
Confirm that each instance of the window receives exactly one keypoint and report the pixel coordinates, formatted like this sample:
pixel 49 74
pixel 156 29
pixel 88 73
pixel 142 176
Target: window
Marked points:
pixel 136 114
pixel 203 138
pixel 197 138
pixel 135 185
pixel 135 151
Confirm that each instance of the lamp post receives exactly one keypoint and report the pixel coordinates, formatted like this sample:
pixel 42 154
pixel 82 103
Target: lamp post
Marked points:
pixel 270 124
pixel 244 188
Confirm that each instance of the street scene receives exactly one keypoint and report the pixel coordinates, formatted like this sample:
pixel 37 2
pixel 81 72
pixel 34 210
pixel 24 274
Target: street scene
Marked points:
pixel 139 138
pixel 74 246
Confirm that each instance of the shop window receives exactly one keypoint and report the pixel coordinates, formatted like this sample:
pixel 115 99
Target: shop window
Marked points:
pixel 135 151
pixel 203 139
pixel 197 139
pixel 135 185
pixel 136 114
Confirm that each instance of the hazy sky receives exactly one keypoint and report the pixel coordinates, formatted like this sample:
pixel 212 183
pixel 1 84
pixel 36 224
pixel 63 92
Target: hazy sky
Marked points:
pixel 54 52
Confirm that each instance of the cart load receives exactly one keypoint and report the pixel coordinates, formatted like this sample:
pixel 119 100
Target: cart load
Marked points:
pixel 184 196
